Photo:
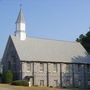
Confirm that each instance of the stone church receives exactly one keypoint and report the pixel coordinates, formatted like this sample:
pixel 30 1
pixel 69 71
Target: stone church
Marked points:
pixel 46 62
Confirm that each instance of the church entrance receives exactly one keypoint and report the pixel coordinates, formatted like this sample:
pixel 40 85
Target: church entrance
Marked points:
pixel 30 80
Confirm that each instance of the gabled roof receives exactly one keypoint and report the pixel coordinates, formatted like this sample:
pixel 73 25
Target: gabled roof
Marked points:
pixel 36 49
pixel 20 18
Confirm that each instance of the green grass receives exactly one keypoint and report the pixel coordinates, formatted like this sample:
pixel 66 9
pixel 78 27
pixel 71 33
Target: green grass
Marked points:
pixel 12 87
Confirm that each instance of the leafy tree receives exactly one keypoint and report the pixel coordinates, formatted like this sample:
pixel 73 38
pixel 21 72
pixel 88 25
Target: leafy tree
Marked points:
pixel 80 38
pixel 8 76
pixel 85 41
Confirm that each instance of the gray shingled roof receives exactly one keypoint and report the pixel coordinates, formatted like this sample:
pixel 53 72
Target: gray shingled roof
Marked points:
pixel 20 18
pixel 36 49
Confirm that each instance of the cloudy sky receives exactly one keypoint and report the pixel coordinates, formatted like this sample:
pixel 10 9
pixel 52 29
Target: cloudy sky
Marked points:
pixel 53 19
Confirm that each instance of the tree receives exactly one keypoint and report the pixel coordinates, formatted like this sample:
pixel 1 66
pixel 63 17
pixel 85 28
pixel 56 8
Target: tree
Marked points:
pixel 80 38
pixel 8 76
pixel 85 41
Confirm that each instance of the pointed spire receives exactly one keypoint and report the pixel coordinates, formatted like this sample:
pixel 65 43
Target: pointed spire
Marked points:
pixel 20 26
pixel 20 18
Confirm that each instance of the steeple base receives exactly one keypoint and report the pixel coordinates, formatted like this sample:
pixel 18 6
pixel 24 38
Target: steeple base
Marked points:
pixel 21 35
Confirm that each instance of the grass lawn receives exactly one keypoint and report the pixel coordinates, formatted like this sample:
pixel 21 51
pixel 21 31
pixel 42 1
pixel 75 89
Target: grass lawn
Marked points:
pixel 11 87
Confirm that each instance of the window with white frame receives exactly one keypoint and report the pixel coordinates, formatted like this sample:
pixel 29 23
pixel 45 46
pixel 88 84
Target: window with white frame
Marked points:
pixel 41 67
pixel 55 68
pixel 28 66
pixel 68 67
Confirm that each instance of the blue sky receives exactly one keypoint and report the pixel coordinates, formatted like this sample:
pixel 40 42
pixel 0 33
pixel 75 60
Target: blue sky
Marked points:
pixel 53 19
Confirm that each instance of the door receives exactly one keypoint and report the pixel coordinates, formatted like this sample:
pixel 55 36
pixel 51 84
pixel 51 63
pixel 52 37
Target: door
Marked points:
pixel 30 82
pixel 41 83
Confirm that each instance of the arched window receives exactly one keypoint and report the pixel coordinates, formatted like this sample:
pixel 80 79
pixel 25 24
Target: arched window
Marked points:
pixel 9 65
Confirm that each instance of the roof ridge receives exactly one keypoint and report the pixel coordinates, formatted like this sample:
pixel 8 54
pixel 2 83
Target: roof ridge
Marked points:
pixel 52 39
pixel 48 39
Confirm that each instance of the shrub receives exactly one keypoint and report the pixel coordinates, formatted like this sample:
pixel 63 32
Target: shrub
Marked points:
pixel 51 86
pixel 20 83
pixel 8 76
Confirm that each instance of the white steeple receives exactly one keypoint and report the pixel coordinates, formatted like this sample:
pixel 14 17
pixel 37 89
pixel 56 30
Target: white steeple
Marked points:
pixel 20 26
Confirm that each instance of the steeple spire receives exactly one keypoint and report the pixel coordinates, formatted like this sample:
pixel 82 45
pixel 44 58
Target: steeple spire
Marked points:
pixel 20 26
pixel 20 18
